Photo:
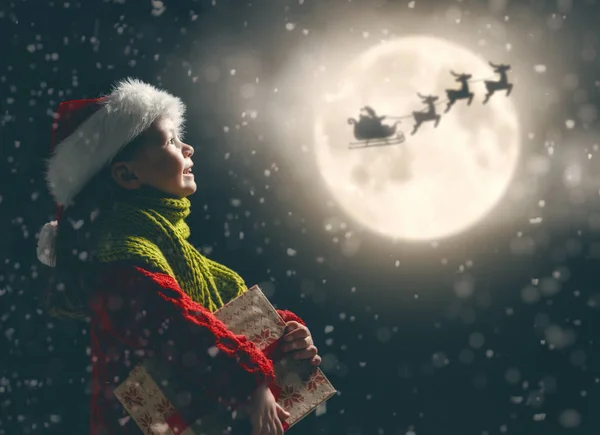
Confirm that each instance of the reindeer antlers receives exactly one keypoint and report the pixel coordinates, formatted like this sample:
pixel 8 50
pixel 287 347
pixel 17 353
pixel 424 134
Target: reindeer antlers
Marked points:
pixel 499 66
pixel 425 97
pixel 454 74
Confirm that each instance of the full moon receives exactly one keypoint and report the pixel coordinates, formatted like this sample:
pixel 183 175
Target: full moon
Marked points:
pixel 441 180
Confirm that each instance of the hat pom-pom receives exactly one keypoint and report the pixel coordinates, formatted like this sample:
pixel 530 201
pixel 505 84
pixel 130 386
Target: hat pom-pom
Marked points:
pixel 45 246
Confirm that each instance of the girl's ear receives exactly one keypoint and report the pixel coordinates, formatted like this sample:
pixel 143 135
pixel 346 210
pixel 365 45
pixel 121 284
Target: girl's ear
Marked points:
pixel 125 176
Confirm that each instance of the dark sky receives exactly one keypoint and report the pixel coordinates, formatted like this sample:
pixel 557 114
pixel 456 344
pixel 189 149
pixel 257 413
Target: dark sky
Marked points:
pixel 408 353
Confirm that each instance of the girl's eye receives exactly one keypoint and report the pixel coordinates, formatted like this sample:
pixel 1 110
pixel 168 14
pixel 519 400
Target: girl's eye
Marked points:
pixel 172 140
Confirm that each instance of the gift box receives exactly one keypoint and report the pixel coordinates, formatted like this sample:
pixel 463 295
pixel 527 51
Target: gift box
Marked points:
pixel 298 388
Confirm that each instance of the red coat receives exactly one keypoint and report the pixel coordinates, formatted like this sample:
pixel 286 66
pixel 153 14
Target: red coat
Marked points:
pixel 138 314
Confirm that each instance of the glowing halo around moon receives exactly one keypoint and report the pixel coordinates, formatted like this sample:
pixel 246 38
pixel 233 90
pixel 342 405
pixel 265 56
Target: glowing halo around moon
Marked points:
pixel 442 180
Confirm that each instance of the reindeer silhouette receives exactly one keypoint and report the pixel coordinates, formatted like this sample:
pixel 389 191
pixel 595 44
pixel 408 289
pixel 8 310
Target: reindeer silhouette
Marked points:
pixel 429 115
pixel 493 86
pixel 459 94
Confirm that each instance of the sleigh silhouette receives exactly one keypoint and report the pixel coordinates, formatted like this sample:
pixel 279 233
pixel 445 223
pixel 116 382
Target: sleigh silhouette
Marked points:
pixel 369 131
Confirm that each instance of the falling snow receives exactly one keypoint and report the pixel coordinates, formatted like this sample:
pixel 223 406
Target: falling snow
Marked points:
pixel 492 331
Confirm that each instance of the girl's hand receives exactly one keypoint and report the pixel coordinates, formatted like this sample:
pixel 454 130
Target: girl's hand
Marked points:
pixel 298 340
pixel 265 413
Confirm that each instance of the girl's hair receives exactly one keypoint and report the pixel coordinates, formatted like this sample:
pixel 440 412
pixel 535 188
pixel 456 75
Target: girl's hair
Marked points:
pixel 71 281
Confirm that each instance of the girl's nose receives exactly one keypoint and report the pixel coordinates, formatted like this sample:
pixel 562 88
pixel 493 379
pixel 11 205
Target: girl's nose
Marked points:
pixel 188 150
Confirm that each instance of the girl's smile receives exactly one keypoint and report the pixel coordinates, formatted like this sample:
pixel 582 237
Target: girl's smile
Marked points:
pixel 163 162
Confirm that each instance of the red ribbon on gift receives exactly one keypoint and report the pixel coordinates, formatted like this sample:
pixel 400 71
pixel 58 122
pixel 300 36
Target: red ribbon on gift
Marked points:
pixel 176 423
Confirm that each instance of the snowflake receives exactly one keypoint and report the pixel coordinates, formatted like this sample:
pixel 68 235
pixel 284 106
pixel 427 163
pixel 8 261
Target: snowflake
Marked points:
pixel 133 396
pixel 263 338
pixel 146 423
pixel 289 396
pixel 314 381
pixel 164 407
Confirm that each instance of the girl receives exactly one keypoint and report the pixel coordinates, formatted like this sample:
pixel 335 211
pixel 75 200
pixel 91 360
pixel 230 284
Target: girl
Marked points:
pixel 120 175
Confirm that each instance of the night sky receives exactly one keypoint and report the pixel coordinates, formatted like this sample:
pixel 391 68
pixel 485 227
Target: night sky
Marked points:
pixel 490 331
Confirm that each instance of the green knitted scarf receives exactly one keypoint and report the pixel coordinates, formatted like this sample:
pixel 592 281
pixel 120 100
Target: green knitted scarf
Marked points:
pixel 150 230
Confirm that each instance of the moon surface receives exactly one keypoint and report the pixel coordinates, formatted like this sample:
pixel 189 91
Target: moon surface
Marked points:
pixel 440 181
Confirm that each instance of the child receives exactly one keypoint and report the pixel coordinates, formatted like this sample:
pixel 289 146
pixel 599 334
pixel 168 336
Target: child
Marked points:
pixel 120 175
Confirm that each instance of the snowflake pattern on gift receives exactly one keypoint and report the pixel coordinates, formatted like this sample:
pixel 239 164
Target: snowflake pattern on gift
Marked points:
pixel 133 396
pixel 315 381
pixel 290 396
pixel 235 313
pixel 263 339
pixel 146 423
pixel 164 408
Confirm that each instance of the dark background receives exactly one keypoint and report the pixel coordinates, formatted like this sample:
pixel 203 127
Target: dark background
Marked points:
pixel 409 355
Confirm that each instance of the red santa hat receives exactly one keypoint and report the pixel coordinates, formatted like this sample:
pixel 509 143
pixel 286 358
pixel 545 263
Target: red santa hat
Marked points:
pixel 88 134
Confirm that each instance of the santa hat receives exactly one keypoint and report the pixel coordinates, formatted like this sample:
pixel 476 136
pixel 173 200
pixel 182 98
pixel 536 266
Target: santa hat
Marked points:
pixel 88 134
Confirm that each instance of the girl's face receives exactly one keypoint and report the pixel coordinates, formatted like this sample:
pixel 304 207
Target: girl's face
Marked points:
pixel 162 162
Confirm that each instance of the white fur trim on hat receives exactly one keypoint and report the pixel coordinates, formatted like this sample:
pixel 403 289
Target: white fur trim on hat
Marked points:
pixel 127 111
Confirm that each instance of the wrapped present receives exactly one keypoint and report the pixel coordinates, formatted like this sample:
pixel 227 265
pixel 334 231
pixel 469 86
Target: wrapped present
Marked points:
pixel 299 389
pixel 148 406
